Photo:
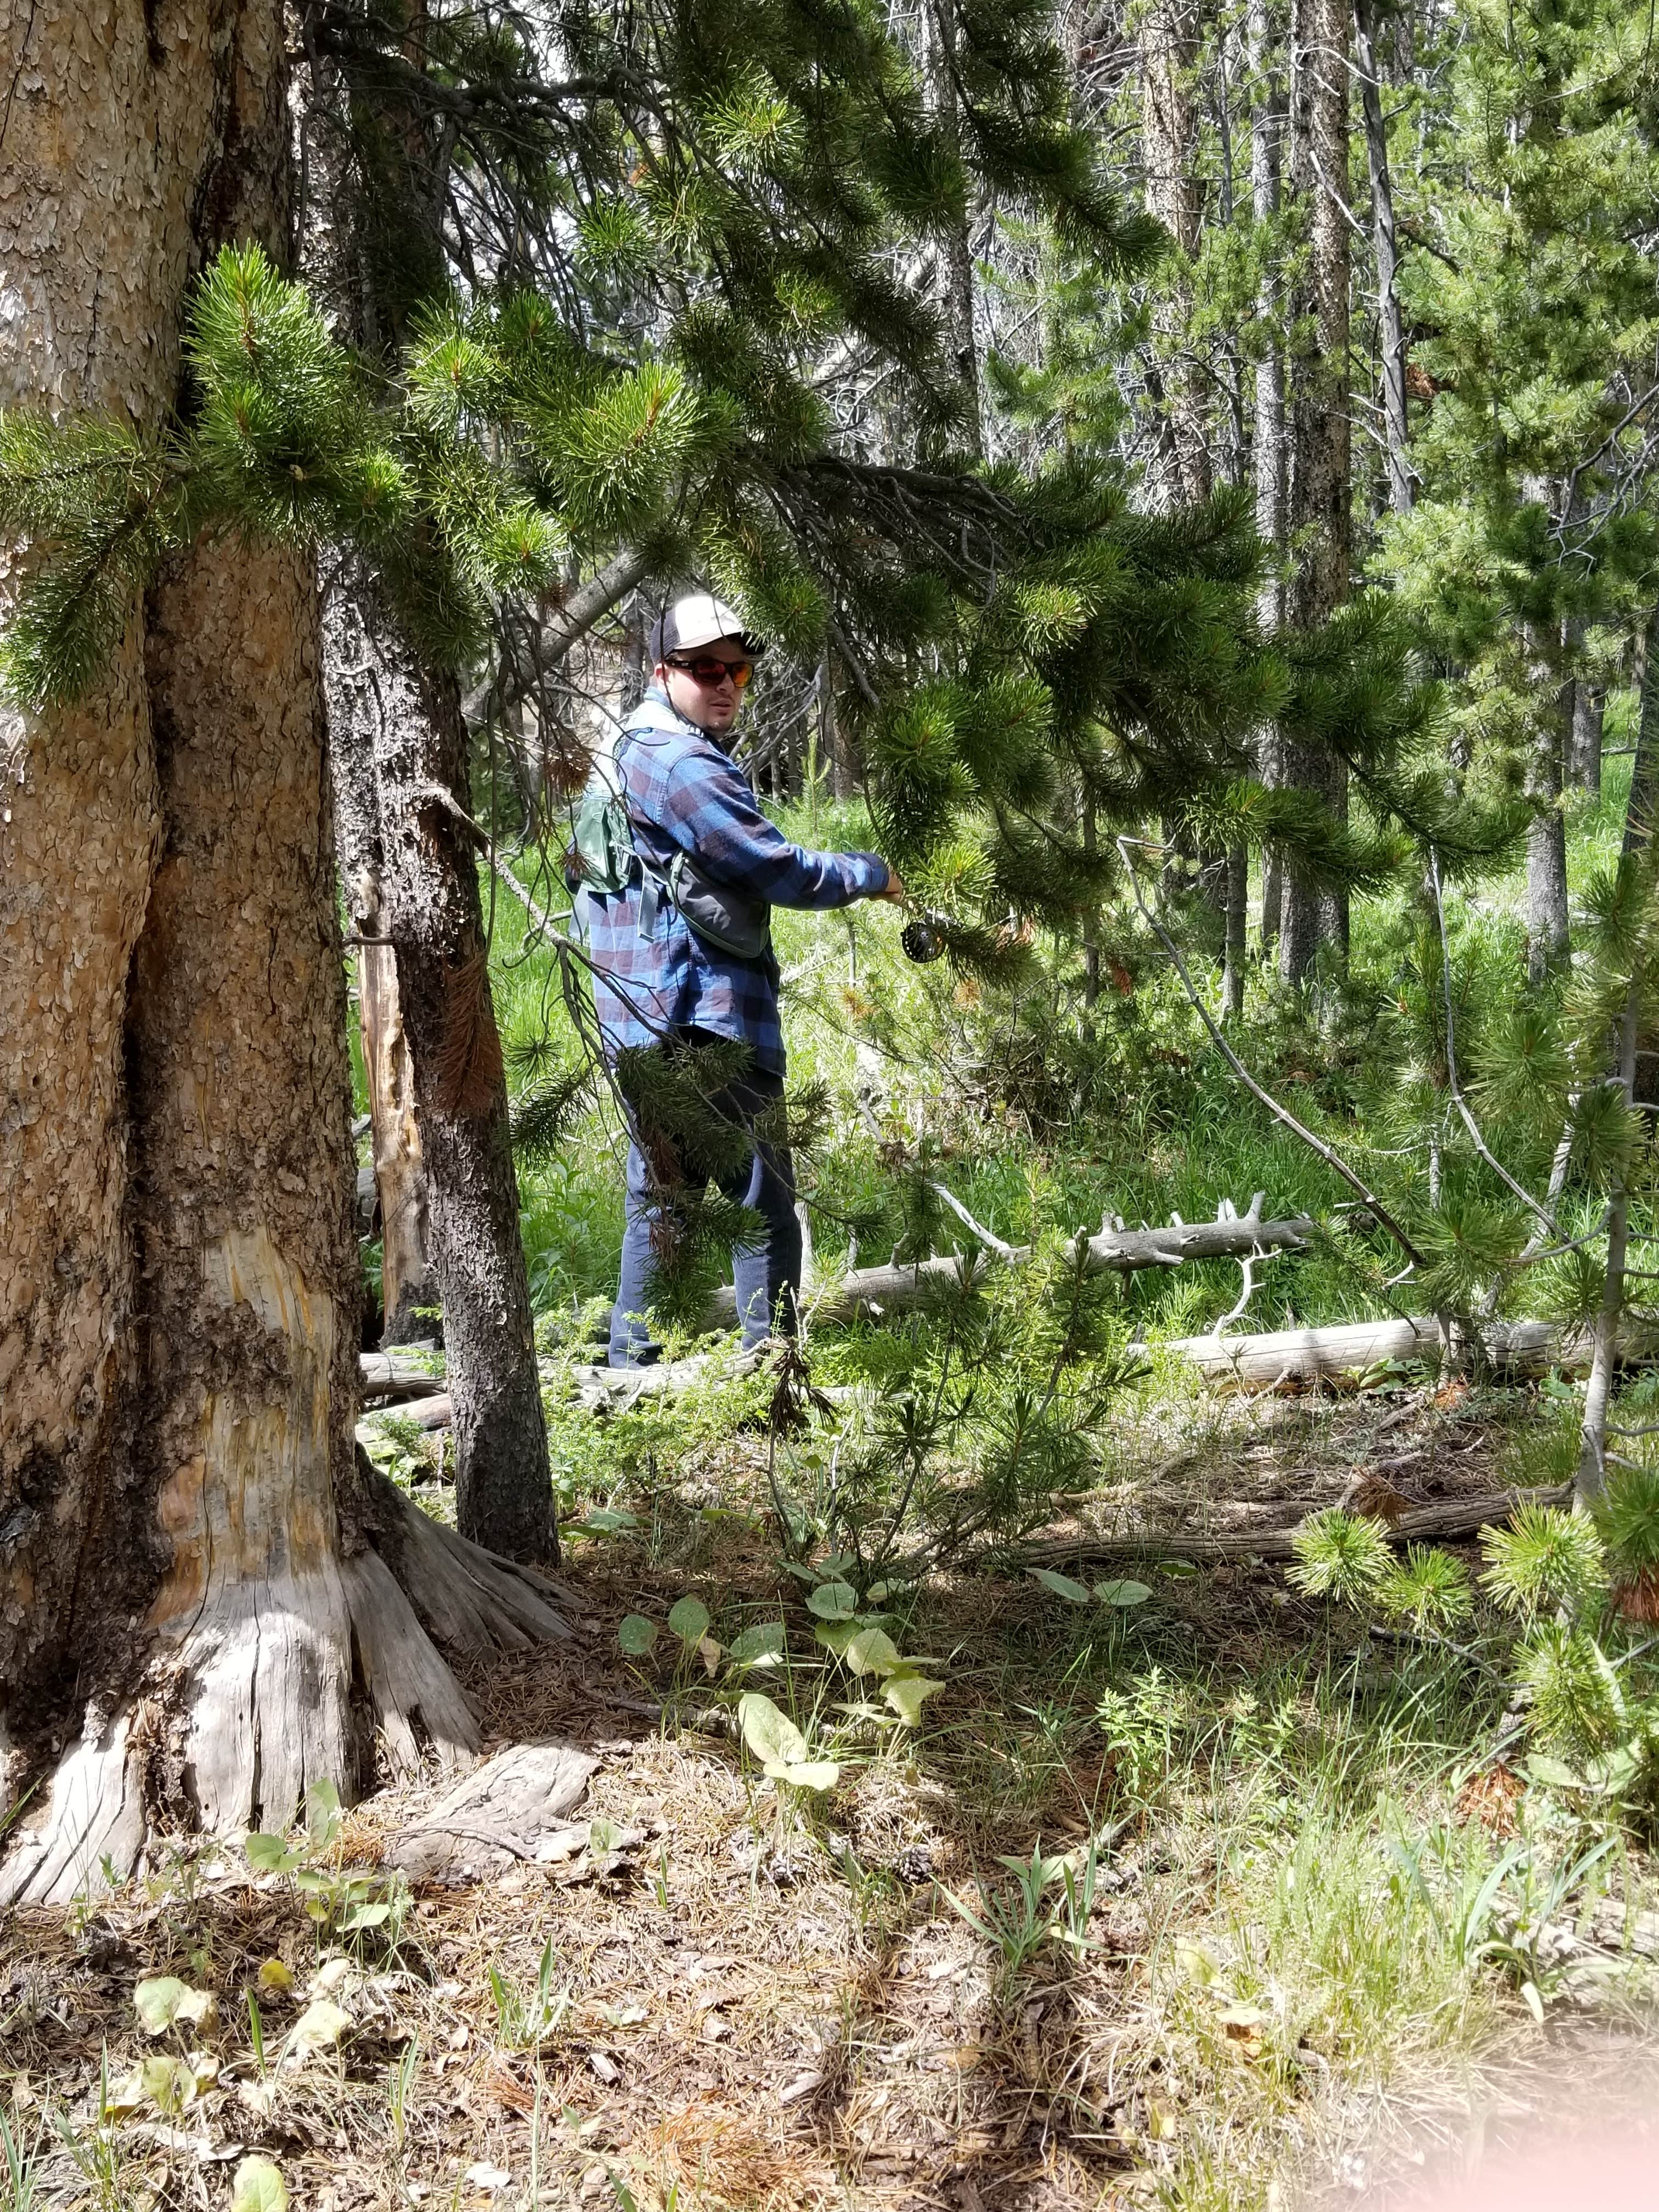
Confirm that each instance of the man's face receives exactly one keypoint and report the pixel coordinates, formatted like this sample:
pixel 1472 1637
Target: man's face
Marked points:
pixel 705 685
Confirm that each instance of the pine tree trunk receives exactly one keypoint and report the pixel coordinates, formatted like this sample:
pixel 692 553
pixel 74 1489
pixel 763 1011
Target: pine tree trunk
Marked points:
pixel 108 130
pixel 961 325
pixel 1271 456
pixel 1319 486
pixel 218 1623
pixel 1390 329
pixel 1546 833
pixel 1588 714
pixel 406 1287
pixel 409 718
pixel 1168 59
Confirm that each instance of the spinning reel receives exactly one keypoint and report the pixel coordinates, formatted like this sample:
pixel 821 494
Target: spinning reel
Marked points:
pixel 926 938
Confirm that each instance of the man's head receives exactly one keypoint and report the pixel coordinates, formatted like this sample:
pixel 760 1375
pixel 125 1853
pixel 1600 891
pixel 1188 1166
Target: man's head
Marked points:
pixel 704 658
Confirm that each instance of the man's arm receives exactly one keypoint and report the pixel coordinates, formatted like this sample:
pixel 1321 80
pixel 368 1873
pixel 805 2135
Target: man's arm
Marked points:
pixel 710 814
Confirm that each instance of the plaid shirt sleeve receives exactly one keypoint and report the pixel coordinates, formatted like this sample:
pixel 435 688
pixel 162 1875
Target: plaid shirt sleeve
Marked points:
pixel 708 809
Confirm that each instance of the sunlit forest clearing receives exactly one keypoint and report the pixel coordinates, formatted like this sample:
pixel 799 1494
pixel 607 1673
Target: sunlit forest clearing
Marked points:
pixel 828 995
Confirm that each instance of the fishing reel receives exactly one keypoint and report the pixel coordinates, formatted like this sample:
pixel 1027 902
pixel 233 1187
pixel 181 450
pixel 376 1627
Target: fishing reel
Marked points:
pixel 927 937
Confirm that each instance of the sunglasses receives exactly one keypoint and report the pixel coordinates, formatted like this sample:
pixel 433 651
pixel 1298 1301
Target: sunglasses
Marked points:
pixel 707 669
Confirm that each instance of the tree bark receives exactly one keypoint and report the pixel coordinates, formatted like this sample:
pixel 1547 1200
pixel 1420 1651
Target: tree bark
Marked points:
pixel 1390 329
pixel 1584 753
pixel 1547 946
pixel 1271 456
pixel 109 131
pixel 384 698
pixel 217 1616
pixel 407 1290
pixel 1168 59
pixel 1319 486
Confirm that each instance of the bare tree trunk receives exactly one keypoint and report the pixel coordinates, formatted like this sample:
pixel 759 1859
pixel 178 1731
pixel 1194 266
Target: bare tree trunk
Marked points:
pixel 1390 330
pixel 961 323
pixel 406 1287
pixel 1272 453
pixel 408 717
pixel 1319 491
pixel 1584 754
pixel 1232 968
pixel 1547 944
pixel 1168 59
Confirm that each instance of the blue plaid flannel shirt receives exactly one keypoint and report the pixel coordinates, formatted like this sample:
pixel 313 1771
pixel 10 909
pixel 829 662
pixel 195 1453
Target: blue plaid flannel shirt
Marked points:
pixel 686 795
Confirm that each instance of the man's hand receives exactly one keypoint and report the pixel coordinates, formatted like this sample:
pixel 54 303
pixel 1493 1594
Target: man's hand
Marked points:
pixel 895 890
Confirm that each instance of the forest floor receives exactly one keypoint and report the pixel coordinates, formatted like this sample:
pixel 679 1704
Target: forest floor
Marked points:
pixel 1298 1970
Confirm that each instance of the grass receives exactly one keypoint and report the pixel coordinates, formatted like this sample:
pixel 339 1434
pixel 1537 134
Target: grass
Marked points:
pixel 1291 1958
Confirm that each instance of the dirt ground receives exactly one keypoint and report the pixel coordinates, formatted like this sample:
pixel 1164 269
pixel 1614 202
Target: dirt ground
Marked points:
pixel 755 1998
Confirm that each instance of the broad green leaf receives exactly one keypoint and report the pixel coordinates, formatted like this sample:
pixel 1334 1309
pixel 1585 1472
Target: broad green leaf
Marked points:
pixel 157 2002
pixel 837 1635
pixel 808 1774
pixel 636 1635
pixel 689 1619
pixel 319 2028
pixel 872 1651
pixel 1122 1592
pixel 366 1916
pixel 258 2188
pixel 322 1812
pixel 832 1602
pixel 761 1646
pixel 876 1592
pixel 270 1854
pixel 1061 1585
pixel 1551 1773
pixel 603 1521
pixel 770 1734
pixel 906 1694
pixel 167 2083
pixel 274 1975
pixel 165 2000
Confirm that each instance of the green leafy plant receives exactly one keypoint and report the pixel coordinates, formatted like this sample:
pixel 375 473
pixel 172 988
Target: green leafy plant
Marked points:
pixel 529 2016
pixel 349 1902
pixel 1544 1558
pixel 778 1745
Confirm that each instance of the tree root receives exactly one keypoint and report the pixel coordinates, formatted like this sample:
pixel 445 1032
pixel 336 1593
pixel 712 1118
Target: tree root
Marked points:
pixel 251 1700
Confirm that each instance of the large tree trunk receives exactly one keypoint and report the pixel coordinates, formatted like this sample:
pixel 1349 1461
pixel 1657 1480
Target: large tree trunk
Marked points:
pixel 108 127
pixel 215 1587
pixel 1168 59
pixel 383 700
pixel 1319 490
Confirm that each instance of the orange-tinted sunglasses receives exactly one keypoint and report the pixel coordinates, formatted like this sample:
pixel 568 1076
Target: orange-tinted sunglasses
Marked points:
pixel 708 669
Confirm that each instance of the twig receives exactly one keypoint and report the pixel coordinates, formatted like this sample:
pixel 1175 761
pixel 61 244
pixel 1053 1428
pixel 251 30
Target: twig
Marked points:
pixel 993 1243
pixel 1469 1123
pixel 1332 1159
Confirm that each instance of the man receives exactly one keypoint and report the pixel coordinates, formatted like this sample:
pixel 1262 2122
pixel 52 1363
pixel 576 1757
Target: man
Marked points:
pixel 662 980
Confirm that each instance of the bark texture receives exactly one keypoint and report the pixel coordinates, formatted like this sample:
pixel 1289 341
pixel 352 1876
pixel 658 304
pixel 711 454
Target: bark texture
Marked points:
pixel 1168 57
pixel 1271 452
pixel 1319 481
pixel 201 1558
pixel 1390 329
pixel 111 118
pixel 408 717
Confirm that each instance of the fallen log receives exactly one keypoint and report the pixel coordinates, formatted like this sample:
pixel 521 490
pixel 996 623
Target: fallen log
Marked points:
pixel 1517 1351
pixel 899 1286
pixel 384 1375
pixel 1450 1516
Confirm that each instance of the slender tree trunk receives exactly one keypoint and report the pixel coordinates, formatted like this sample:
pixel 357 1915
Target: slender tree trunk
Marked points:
pixel 1272 453
pixel 1319 492
pixel 1168 59
pixel 1390 329
pixel 961 323
pixel 1588 714
pixel 409 718
pixel 1232 968
pixel 406 1287
pixel 1547 946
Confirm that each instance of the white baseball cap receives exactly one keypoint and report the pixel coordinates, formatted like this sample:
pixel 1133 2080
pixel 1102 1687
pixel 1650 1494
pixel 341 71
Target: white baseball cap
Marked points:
pixel 699 619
